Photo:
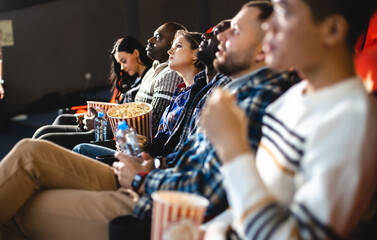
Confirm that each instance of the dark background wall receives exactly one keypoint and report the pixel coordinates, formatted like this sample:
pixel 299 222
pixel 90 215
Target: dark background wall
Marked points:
pixel 58 42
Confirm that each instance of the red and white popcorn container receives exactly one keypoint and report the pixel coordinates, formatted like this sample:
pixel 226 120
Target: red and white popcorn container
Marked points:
pixel 142 123
pixel 100 106
pixel 177 215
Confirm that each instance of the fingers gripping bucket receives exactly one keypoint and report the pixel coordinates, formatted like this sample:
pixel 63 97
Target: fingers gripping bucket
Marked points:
pixel 100 106
pixel 141 121
pixel 177 215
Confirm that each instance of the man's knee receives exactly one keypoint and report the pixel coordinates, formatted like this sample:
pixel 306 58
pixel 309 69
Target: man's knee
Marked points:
pixel 29 144
pixel 31 147
pixel 26 144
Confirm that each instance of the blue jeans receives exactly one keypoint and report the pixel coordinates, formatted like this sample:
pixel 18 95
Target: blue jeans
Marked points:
pixel 92 150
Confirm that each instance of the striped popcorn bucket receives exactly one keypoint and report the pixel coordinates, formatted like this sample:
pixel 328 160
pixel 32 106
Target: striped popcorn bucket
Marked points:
pixel 141 123
pixel 100 106
pixel 177 215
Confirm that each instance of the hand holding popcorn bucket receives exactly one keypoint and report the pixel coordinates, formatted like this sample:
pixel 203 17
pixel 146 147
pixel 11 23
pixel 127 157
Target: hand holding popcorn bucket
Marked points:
pixel 137 115
pixel 177 215
pixel 100 106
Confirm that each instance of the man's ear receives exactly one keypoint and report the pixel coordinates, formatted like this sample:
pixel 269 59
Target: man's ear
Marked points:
pixel 334 30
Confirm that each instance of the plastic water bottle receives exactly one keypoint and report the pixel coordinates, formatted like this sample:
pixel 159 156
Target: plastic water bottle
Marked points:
pixel 127 140
pixel 100 127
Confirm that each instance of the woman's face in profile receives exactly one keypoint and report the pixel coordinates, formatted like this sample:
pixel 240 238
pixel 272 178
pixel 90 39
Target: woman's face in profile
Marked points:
pixel 181 55
pixel 128 62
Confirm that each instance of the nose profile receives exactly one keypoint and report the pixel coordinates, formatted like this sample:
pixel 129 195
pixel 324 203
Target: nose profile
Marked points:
pixel 151 40
pixel 221 36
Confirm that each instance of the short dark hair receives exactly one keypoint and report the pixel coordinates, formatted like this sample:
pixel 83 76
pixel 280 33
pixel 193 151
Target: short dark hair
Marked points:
pixel 176 26
pixel 265 7
pixel 357 14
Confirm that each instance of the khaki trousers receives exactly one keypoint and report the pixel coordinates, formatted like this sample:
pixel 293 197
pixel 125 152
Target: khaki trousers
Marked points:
pixel 48 192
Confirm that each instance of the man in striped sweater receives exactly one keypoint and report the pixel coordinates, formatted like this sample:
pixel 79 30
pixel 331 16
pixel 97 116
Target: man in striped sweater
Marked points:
pixel 313 175
pixel 159 83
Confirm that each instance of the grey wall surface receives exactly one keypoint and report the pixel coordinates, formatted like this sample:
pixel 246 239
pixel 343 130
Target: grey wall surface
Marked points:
pixel 58 42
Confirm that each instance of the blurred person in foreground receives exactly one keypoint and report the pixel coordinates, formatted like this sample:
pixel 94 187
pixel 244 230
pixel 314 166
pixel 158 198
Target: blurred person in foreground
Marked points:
pixel 313 175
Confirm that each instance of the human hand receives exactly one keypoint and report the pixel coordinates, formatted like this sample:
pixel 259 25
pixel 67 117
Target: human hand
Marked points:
pixel 79 120
pixel 2 92
pixel 1 46
pixel 217 230
pixel 225 124
pixel 117 147
pixel 129 166
pixel 142 140
pixel 88 121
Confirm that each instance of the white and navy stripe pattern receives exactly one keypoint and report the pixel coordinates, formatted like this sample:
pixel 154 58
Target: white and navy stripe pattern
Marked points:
pixel 263 223
pixel 314 172
pixel 285 141
pixel 286 147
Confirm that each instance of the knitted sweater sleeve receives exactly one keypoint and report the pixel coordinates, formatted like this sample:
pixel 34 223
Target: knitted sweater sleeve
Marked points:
pixel 163 91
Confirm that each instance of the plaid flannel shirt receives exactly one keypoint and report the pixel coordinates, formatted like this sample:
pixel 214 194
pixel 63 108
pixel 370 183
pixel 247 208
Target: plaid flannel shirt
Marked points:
pixel 197 168
pixel 172 116
pixel 157 88
pixel 191 124
pixel 173 111
pixel 197 93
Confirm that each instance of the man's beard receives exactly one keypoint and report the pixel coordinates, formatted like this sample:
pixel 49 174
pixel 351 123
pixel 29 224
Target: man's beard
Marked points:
pixel 231 65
